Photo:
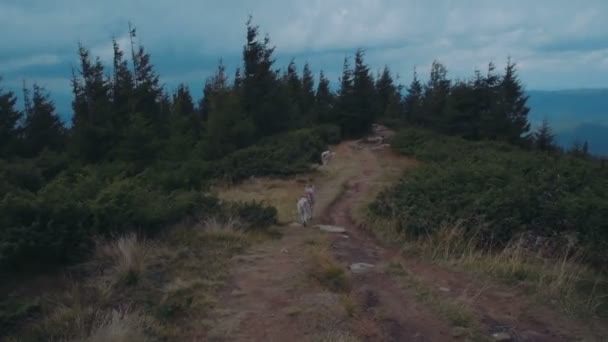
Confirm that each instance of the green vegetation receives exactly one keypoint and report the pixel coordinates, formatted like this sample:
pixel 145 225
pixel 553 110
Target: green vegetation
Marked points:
pixel 455 310
pixel 497 192
pixel 325 270
pixel 532 218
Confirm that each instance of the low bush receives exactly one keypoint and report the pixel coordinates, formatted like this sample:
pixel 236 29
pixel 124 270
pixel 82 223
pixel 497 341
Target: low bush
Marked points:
pixel 498 192
pixel 282 155
pixel 253 215
pixel 330 134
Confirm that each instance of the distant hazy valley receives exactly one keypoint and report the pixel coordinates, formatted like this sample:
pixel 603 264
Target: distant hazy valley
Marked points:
pixel 580 114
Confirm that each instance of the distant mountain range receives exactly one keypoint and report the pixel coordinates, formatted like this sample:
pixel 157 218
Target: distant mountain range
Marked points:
pixel 577 114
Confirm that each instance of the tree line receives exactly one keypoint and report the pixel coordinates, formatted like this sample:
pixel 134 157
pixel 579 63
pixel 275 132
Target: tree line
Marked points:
pixel 129 116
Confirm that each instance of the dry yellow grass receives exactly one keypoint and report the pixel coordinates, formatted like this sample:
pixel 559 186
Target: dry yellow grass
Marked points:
pixel 119 326
pixel 128 257
pixel 562 280
pixel 284 193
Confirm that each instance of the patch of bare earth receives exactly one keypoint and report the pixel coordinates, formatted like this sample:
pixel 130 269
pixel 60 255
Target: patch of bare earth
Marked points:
pixel 271 296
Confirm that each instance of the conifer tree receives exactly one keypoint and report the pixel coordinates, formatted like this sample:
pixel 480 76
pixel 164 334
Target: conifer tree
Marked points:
pixel 461 112
pixel 9 124
pixel 364 99
pixel 93 129
pixel 345 96
pixel 307 100
pixel 238 79
pixel 412 103
pixel 42 127
pixel 227 127
pixel 389 96
pixel 544 138
pixel 436 94
pixel 324 101
pixel 293 92
pixel 513 104
pixel 148 92
pixel 491 119
pixel 122 88
pixel 261 92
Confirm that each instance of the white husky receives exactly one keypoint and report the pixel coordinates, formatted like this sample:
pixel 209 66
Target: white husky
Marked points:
pixel 309 192
pixel 327 156
pixel 304 210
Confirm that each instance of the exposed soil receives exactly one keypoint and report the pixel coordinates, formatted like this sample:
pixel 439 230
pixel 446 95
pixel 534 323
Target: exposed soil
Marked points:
pixel 271 297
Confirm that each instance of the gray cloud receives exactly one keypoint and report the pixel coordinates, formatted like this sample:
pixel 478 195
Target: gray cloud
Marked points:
pixel 557 43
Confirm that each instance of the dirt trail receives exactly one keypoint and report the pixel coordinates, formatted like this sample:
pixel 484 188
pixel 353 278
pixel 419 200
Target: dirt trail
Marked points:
pixel 271 296
pixel 389 307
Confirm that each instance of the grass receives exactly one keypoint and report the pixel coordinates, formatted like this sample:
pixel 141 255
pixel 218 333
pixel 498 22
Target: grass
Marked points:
pixel 128 257
pixel 137 290
pixel 283 193
pixel 455 311
pixel 325 270
pixel 350 305
pixel 120 327
pixel 561 280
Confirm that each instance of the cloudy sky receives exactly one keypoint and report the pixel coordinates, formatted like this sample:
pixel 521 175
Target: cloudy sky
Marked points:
pixel 558 44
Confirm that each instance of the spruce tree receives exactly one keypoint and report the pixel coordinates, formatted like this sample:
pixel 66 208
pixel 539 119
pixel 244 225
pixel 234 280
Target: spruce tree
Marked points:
pixel 93 128
pixel 389 96
pixel 148 91
pixel 228 127
pixel 10 118
pixel 122 89
pixel 513 104
pixel 412 103
pixel 345 97
pixel 364 99
pixel 436 94
pixel 42 127
pixel 184 124
pixel 461 113
pixel 492 120
pixel 238 79
pixel 307 96
pixel 293 92
pixel 544 138
pixel 261 91
pixel 324 101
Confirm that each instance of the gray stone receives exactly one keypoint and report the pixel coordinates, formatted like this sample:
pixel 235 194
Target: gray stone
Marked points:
pixel 501 336
pixel 360 267
pixel 331 229
pixel 444 289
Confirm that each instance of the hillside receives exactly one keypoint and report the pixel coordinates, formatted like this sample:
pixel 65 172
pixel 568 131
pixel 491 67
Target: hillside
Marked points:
pixel 574 115
pixel 159 216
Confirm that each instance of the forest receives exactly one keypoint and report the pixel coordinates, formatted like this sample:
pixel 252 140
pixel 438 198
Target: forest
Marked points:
pixel 137 157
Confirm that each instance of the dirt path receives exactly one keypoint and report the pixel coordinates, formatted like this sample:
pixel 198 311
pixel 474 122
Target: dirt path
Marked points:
pixel 272 298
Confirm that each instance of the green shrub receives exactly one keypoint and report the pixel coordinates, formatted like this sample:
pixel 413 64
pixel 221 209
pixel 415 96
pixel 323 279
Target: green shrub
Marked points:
pixel 20 175
pixel 497 191
pixel 14 310
pixel 282 155
pixel 330 134
pixel 253 215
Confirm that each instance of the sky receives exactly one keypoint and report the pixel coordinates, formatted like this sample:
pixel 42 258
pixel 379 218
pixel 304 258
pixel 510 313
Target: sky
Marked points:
pixel 557 44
